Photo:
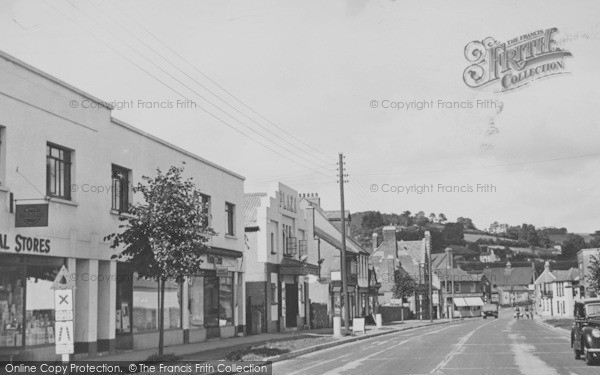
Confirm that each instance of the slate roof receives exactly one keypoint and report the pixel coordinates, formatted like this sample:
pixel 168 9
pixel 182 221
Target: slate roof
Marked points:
pixel 510 275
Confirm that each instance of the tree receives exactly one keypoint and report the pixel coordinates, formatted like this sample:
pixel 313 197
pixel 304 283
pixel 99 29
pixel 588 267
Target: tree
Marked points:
pixel 594 274
pixel 571 245
pixel 372 220
pixel 404 286
pixel 467 223
pixel 165 236
pixel 442 218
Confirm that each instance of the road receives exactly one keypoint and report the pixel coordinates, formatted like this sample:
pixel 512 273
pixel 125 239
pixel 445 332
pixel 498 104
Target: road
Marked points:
pixel 472 346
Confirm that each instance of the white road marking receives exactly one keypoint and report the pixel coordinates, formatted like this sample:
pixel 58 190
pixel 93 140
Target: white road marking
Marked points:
pixel 458 347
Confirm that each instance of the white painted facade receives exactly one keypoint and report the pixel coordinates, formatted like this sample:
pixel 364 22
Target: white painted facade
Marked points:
pixel 37 110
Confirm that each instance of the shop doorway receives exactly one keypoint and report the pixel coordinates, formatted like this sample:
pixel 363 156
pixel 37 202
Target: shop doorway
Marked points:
pixel 291 305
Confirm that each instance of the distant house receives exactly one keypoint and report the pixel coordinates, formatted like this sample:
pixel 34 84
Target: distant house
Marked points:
pixel 467 297
pixel 511 285
pixel 404 256
pixel 556 291
pixel 489 257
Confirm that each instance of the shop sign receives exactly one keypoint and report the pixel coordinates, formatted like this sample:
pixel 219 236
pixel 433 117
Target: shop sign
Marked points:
pixel 26 244
pixel 222 272
pixel 288 202
pixel 31 215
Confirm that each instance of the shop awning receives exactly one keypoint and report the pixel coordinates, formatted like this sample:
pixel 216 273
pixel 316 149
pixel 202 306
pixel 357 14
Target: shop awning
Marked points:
pixel 474 301
pixel 460 302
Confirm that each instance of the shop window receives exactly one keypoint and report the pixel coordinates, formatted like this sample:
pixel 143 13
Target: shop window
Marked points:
pixel 11 306
pixel 226 300
pixel 39 313
pixel 195 304
pixel 58 172
pixel 120 188
pixel 145 305
pixel 211 301
pixel 274 300
pixel 230 213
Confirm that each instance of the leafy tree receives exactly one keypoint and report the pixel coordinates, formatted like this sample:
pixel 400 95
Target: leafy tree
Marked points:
pixel 594 275
pixel 453 234
pixel 165 236
pixel 404 286
pixel 372 220
pixel 442 218
pixel 420 219
pixel 467 223
pixel 432 217
pixel 571 245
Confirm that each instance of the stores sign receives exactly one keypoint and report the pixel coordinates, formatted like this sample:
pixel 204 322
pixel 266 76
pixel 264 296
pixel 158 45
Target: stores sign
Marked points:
pixel 25 244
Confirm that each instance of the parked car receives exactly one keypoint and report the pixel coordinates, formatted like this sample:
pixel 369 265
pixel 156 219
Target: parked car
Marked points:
pixel 585 334
pixel 489 309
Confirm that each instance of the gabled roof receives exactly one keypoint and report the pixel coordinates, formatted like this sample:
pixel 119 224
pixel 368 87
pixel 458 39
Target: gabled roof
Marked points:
pixel 416 249
pixel 572 274
pixel 510 275
pixel 251 204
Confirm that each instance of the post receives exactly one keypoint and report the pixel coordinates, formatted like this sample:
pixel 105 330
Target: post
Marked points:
pixel 343 257
pixel 430 277
pixel 452 271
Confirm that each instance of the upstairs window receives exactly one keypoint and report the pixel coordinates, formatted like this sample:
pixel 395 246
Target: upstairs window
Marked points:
pixel 58 172
pixel 230 214
pixel 120 188
pixel 206 209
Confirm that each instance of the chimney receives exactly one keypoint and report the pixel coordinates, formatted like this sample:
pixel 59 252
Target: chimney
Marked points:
pixel 374 240
pixel 312 198
pixel 389 234
pixel 449 257
pixel 428 243
pixel 547 266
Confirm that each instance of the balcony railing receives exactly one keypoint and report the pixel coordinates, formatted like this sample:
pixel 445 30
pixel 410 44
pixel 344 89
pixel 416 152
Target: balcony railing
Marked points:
pixel 291 247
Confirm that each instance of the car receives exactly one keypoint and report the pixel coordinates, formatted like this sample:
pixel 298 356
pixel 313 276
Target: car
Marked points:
pixel 585 333
pixel 489 309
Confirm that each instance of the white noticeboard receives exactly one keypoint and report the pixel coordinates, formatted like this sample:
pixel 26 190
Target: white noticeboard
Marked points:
pixel 358 325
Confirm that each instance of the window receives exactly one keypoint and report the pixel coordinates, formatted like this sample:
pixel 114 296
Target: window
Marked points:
pixel 58 172
pixel 206 209
pixel 273 250
pixel 230 213
pixel 226 300
pixel 456 287
pixel 120 188
pixel 145 305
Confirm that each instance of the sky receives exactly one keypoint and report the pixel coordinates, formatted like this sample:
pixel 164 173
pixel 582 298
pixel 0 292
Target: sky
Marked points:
pixel 280 88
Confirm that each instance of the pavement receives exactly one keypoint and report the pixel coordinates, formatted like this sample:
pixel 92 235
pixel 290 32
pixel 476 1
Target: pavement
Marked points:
pixel 472 346
pixel 215 349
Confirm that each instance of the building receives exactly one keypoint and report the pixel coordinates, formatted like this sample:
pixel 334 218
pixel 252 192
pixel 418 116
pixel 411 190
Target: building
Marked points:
pixel 556 292
pixel 489 256
pixel 584 261
pixel 462 292
pixel 280 258
pixel 511 285
pixel 409 257
pixel 66 172
pixel 326 293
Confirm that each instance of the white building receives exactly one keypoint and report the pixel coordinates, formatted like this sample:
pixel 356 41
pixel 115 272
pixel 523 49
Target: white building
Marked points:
pixel 280 258
pixel 556 292
pixel 67 167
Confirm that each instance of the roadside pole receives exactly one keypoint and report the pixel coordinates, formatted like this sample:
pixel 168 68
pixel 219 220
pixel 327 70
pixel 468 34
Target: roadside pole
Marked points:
pixel 428 252
pixel 346 308
pixel 64 332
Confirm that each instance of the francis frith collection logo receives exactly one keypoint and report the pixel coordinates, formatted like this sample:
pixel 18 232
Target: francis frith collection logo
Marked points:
pixel 514 63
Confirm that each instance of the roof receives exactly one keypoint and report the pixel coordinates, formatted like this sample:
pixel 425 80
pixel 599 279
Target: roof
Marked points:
pixel 572 274
pixel 510 275
pixel 513 288
pixel 335 215
pixel 416 249
pixel 325 230
pixel 251 204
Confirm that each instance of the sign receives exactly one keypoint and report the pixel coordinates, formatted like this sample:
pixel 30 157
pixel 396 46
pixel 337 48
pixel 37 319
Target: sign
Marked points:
pixel 64 331
pixel 222 272
pixel 358 325
pixel 63 280
pixel 516 62
pixel 26 244
pixel 31 215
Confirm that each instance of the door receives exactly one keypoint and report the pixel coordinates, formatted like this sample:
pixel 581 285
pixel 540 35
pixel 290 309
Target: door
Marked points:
pixel 291 305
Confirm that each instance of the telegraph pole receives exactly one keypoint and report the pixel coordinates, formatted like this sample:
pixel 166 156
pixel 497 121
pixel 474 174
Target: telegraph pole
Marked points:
pixel 343 257
pixel 428 244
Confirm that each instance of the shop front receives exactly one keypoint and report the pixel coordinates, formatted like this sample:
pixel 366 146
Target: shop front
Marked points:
pixel 201 308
